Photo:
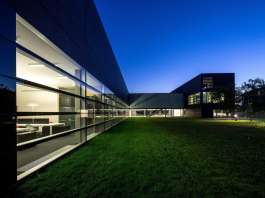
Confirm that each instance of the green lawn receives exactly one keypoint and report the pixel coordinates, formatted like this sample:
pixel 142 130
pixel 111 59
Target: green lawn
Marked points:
pixel 160 157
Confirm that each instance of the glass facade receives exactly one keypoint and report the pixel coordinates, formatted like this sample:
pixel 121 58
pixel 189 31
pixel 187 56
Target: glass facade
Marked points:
pixel 212 97
pixel 194 99
pixel 156 113
pixel 207 98
pixel 221 113
pixel 60 105
pixel 207 82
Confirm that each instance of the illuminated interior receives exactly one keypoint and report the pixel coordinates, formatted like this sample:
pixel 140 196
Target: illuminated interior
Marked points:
pixel 213 97
pixel 156 112
pixel 60 105
pixel 194 99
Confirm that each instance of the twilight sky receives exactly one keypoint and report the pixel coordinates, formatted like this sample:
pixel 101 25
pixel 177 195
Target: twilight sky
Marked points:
pixel 160 44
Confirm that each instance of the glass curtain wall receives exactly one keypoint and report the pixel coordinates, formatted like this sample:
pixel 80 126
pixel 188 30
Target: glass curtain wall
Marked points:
pixel 60 105
pixel 156 112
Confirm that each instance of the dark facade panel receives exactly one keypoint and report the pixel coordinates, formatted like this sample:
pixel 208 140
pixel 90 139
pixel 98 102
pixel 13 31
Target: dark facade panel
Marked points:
pixel 156 101
pixel 191 86
pixel 221 81
pixel 75 27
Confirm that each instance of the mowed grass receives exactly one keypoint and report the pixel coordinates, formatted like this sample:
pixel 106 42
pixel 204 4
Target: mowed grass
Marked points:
pixel 160 157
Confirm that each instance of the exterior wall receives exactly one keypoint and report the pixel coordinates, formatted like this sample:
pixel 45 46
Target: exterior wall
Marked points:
pixel 75 27
pixel 196 113
pixel 192 86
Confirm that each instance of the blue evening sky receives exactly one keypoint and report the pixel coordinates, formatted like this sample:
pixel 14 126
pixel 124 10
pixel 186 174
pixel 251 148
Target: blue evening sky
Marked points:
pixel 160 44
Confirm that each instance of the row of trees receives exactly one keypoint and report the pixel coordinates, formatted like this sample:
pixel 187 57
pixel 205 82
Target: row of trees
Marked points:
pixel 251 84
pixel 250 96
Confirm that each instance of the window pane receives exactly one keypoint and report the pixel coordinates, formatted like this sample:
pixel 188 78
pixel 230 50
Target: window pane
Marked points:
pixel 207 82
pixel 99 112
pixel 33 99
pixel 30 157
pixel 92 94
pixel 93 82
pixel 33 70
pixel 194 99
pixel 30 38
pixel 34 127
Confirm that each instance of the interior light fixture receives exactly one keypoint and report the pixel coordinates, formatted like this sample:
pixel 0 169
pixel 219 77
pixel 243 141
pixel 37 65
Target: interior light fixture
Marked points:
pixel 30 90
pixel 35 65
pixel 61 77
pixel 32 105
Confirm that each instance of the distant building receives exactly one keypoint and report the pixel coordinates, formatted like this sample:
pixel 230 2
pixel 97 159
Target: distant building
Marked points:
pixel 209 95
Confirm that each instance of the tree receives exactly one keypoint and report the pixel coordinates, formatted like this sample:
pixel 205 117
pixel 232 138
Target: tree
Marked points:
pixel 238 98
pixel 253 95
pixel 252 84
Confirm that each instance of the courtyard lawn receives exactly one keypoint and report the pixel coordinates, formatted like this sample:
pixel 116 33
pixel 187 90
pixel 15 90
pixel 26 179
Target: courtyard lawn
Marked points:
pixel 160 157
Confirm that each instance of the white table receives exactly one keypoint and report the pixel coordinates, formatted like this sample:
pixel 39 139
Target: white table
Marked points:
pixel 40 126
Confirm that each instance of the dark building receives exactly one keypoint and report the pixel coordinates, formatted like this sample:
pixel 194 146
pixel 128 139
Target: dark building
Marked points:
pixel 209 95
pixel 60 85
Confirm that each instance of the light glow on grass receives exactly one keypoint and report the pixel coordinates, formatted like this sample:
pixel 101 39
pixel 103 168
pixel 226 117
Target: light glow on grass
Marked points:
pixel 154 157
